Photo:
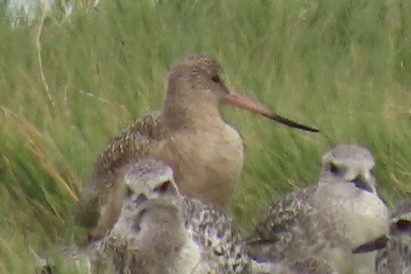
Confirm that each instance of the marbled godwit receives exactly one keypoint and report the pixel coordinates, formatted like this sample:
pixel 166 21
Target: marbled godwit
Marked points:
pixel 160 231
pixel 328 219
pixel 189 134
pixel 393 256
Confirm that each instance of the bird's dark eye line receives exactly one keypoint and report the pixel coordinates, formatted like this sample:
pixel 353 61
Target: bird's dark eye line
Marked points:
pixel 216 79
pixel 333 168
pixel 163 187
pixel 403 225
pixel 129 191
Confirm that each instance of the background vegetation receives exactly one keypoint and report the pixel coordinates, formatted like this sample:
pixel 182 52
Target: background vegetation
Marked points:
pixel 69 83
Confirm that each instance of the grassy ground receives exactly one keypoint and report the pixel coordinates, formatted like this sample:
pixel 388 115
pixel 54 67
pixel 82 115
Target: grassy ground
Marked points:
pixel 69 84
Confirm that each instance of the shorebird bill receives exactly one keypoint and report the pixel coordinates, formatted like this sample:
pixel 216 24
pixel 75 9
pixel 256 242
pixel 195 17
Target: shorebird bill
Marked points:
pixel 243 102
pixel 373 245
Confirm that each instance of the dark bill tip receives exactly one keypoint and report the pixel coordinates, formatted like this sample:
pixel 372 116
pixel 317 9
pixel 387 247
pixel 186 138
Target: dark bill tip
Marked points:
pixel 243 102
pixel 291 123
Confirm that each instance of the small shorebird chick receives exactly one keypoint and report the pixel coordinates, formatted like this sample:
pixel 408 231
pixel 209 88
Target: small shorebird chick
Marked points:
pixel 328 219
pixel 188 133
pixel 160 231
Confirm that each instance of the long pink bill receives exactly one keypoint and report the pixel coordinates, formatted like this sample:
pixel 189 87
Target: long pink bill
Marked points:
pixel 243 102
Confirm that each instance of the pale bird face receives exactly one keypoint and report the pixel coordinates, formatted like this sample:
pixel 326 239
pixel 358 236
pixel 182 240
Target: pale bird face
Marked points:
pixel 351 164
pixel 148 180
pixel 151 196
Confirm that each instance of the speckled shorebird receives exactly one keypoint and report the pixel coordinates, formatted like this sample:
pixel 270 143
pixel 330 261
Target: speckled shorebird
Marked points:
pixel 160 231
pixel 188 133
pixel 310 265
pixel 394 249
pixel 328 219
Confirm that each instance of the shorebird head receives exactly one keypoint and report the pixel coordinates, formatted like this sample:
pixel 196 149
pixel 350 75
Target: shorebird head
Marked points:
pixel 150 188
pixel 150 178
pixel 196 86
pixel 349 163
pixel 149 231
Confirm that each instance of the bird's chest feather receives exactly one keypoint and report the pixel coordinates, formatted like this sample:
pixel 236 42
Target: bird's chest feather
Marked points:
pixel 361 215
pixel 207 163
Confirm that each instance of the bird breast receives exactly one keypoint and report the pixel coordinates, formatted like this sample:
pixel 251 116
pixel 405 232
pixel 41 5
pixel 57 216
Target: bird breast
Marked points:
pixel 207 162
pixel 362 215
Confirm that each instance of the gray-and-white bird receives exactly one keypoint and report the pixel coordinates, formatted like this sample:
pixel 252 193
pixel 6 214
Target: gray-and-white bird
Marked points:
pixel 328 219
pixel 310 265
pixel 394 249
pixel 160 231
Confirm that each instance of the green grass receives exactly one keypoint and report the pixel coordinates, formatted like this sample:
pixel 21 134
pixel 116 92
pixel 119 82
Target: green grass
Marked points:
pixel 343 66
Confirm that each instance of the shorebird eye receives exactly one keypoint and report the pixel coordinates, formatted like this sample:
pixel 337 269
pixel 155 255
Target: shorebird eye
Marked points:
pixel 403 225
pixel 129 191
pixel 333 168
pixel 163 187
pixel 216 79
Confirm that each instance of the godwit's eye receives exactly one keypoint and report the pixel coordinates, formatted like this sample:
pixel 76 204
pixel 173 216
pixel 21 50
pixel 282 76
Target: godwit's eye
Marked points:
pixel 216 79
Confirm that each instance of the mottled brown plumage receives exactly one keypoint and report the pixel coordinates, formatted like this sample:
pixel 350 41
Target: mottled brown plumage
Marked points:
pixel 188 133
pixel 160 231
